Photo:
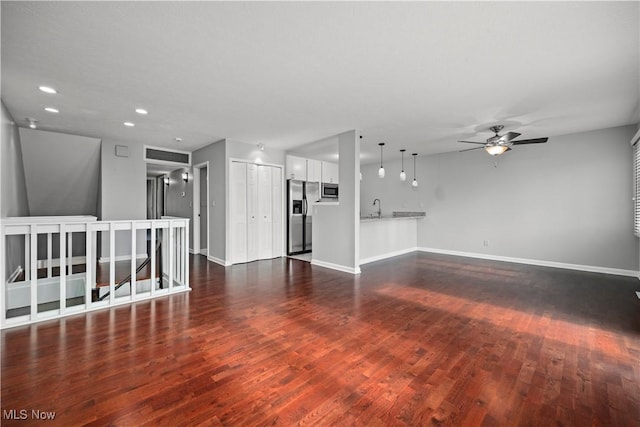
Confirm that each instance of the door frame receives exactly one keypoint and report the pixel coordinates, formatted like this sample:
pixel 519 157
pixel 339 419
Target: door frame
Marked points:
pixel 196 208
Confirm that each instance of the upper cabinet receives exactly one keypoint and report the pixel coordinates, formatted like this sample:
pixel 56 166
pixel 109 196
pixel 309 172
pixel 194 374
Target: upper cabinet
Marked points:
pixel 330 172
pixel 304 169
pixel 296 168
pixel 314 170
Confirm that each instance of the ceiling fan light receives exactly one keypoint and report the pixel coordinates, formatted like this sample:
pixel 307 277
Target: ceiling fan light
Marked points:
pixel 495 150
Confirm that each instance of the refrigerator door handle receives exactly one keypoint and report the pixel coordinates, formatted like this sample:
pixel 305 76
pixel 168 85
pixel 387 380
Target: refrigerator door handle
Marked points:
pixel 306 206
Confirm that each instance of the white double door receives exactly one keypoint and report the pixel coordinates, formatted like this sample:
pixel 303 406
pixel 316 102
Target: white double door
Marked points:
pixel 255 200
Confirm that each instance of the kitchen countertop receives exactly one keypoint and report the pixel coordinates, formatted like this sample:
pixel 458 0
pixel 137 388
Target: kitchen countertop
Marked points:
pixel 395 215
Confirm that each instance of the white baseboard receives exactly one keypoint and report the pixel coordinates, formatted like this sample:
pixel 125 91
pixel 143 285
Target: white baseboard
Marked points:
pixel 55 262
pixel 219 261
pixel 15 274
pixel 122 258
pixel 338 267
pixel 203 251
pixel 387 255
pixel 579 267
pixel 191 251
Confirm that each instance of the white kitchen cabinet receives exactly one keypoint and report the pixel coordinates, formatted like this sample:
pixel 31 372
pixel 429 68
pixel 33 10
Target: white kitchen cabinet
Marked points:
pixel 314 170
pixel 304 169
pixel 296 168
pixel 330 172
pixel 256 220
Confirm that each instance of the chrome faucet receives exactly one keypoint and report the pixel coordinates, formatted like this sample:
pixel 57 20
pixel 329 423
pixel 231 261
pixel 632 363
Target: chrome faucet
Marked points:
pixel 379 207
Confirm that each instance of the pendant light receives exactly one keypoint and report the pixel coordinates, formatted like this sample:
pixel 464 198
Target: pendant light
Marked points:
pixel 381 170
pixel 403 176
pixel 414 184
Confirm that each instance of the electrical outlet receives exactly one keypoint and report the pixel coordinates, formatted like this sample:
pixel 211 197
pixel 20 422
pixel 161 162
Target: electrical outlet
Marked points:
pixel 486 243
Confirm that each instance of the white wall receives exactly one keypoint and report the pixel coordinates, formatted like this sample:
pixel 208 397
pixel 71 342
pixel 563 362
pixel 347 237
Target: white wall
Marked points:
pixel 62 172
pixel 13 198
pixel 566 201
pixel 123 193
pixel 336 229
pixel 123 182
pixel 251 153
pixel 214 153
pixel 178 204
pixel 13 189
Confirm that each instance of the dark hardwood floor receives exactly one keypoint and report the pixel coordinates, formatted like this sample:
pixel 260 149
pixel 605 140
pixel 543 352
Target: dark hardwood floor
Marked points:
pixel 416 340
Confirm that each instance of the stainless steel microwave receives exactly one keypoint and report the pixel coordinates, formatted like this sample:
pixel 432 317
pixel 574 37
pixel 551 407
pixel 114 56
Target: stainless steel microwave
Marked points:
pixel 329 191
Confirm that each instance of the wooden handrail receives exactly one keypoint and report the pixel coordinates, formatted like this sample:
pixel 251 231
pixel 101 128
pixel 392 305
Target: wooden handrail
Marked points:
pixel 128 278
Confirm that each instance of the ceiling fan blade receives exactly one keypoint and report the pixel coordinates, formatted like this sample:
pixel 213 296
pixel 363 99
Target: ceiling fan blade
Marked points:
pixel 509 136
pixel 469 149
pixel 530 141
pixel 473 142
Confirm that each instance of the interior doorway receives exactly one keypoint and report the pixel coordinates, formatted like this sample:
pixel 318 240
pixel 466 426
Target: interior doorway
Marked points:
pixel 201 209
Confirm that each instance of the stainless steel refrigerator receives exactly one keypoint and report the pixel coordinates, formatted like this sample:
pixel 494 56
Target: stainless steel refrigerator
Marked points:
pixel 300 196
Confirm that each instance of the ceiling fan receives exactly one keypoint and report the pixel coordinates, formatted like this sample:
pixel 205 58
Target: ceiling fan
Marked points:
pixel 498 144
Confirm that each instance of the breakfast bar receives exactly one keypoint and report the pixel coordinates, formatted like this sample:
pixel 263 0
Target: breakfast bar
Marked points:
pixel 388 235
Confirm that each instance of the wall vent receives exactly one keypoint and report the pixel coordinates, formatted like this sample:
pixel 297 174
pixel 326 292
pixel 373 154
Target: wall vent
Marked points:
pixel 155 155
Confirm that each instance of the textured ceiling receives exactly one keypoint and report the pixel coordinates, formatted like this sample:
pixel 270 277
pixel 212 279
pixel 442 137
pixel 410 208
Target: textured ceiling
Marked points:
pixel 416 75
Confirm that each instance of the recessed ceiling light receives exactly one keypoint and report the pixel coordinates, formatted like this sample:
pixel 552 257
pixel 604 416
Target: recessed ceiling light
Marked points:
pixel 47 89
pixel 129 124
pixel 51 110
pixel 141 111
pixel 178 139
pixel 32 122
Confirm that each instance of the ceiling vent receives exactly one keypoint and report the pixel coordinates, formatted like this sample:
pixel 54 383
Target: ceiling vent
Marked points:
pixel 159 155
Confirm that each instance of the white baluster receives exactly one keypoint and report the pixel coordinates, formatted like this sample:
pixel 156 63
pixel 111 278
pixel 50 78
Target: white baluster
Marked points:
pixel 88 258
pixel 112 263
pixel 33 263
pixel 132 282
pixel 63 269
pixel 49 255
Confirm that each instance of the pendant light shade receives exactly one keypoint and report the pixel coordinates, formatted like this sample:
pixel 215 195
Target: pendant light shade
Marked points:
pixel 381 170
pixel 414 184
pixel 403 175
